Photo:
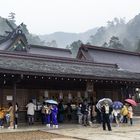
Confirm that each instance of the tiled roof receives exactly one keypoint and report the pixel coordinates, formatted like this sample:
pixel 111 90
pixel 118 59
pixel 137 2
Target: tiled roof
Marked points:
pixel 67 68
pixel 126 60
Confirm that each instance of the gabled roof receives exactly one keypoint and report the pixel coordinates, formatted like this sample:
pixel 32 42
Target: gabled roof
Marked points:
pixel 16 41
pixel 92 47
pixel 7 42
pixel 126 60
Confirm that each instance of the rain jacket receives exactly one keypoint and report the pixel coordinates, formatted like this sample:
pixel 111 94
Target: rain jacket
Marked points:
pixel 124 111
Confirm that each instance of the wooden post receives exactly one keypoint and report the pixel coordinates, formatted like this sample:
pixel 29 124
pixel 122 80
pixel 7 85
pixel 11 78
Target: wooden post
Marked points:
pixel 1 97
pixel 14 100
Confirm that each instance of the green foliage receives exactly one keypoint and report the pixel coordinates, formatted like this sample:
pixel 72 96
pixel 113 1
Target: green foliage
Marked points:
pixel 75 47
pixel 105 45
pixel 115 43
pixel 11 17
pixel 103 34
pixel 32 39
pixel 98 37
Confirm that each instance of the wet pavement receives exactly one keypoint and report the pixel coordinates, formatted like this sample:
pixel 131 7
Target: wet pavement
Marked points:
pixel 94 132
pixel 124 132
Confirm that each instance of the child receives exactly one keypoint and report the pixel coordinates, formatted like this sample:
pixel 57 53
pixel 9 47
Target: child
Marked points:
pixel 1 118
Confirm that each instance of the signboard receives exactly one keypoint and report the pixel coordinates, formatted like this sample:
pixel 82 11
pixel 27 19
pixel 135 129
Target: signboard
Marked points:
pixel 9 98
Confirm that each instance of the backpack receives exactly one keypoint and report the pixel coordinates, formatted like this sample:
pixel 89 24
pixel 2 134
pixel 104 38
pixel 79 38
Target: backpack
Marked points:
pixel 124 111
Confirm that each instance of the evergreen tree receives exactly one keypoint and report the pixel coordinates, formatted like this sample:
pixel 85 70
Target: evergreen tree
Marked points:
pixel 105 45
pixel 11 17
pixel 115 43
pixel 75 47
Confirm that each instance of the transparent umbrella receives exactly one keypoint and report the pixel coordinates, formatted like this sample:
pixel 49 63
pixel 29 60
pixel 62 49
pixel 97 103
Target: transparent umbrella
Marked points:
pixel 103 101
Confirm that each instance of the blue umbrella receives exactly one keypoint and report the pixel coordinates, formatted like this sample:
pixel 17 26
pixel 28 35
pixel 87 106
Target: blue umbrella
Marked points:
pixel 117 105
pixel 51 102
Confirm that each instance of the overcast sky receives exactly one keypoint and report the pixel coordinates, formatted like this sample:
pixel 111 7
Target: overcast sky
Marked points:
pixel 48 16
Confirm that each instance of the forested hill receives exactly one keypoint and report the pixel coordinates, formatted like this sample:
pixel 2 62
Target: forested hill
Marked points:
pixel 127 34
pixel 64 38
pixel 117 34
pixel 32 39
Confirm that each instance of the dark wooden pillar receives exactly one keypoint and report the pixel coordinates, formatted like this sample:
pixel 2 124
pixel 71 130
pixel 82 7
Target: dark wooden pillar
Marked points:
pixel 1 97
pixel 14 100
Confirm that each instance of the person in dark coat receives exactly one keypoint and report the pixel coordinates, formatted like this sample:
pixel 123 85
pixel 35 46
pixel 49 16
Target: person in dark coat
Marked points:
pixel 85 111
pixel 69 112
pixel 60 112
pixel 106 111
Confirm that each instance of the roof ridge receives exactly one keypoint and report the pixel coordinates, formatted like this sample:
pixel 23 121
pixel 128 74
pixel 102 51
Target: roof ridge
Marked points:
pixel 53 48
pixel 85 46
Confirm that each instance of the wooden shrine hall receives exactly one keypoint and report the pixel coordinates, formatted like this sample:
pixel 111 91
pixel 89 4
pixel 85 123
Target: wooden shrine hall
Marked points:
pixel 36 72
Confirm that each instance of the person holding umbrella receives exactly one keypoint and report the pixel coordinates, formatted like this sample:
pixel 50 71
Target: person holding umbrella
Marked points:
pixel 130 103
pixel 106 111
pixel 130 113
pixel 52 112
pixel 117 106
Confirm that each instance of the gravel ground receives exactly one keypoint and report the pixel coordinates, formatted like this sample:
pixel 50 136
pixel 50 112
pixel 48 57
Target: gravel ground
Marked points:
pixel 32 135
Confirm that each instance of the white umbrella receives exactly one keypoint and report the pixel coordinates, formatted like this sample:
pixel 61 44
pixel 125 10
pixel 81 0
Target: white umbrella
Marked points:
pixel 51 102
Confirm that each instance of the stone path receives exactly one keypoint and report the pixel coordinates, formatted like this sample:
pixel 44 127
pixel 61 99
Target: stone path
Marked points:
pixel 88 133
pixel 77 132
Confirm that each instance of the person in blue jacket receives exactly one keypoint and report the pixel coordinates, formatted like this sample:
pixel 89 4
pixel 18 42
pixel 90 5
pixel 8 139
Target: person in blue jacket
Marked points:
pixel 54 112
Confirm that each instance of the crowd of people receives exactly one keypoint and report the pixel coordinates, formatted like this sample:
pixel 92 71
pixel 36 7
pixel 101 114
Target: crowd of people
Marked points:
pixel 9 116
pixel 87 114
pixel 48 114
pixel 106 114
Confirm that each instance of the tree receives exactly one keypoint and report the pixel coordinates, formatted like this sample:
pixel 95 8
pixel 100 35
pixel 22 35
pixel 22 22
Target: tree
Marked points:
pixel 11 17
pixel 116 21
pixel 110 24
pixel 115 43
pixel 105 45
pixel 122 20
pixel 98 37
pixel 88 43
pixel 75 47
